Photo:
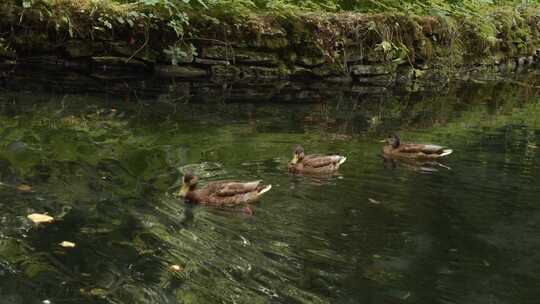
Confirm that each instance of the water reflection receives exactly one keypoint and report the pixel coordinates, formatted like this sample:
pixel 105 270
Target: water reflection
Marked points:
pixel 107 168
pixel 423 166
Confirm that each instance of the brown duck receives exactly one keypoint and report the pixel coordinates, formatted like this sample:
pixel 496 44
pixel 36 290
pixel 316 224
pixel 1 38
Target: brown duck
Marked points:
pixel 395 148
pixel 222 193
pixel 315 163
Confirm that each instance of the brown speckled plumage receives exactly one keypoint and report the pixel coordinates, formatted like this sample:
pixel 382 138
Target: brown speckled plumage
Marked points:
pixel 222 193
pixel 395 148
pixel 315 163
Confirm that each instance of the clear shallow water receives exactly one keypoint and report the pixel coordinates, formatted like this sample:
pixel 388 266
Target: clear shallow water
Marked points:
pixel 107 167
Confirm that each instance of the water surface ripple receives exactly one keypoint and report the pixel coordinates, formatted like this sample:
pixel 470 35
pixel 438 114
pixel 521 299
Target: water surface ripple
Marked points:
pixel 107 168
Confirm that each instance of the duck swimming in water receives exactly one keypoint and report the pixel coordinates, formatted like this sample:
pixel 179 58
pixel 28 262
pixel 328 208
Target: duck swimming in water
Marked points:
pixel 315 163
pixel 222 193
pixel 395 148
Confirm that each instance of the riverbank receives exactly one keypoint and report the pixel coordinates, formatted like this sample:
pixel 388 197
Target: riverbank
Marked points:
pixel 121 41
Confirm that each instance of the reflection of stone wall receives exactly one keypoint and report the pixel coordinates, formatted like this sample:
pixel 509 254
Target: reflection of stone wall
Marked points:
pixel 51 76
pixel 261 71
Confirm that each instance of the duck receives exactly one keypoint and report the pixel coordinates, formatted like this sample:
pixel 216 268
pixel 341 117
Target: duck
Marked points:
pixel 222 193
pixel 314 163
pixel 395 148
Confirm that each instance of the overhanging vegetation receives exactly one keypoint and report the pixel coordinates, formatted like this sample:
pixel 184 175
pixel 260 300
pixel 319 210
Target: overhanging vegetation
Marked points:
pixel 332 32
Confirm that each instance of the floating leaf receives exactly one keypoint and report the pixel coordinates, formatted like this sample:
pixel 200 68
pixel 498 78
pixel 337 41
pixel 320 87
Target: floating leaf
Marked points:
pixel 38 218
pixel 24 188
pixel 67 244
pixel 373 201
pixel 406 296
pixel 98 292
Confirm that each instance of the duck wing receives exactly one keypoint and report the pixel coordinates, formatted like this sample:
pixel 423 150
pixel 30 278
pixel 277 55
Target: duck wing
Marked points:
pixel 232 188
pixel 420 148
pixel 318 161
pixel 230 193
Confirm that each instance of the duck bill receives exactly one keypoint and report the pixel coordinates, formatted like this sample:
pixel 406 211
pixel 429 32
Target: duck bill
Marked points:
pixel 383 140
pixel 294 160
pixel 184 190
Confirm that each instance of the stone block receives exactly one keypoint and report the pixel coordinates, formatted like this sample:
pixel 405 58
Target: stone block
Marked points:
pixel 310 61
pixel 263 73
pixel 377 80
pixel 224 72
pixel 81 49
pixel 180 71
pixel 326 70
pixel 211 61
pixel 369 70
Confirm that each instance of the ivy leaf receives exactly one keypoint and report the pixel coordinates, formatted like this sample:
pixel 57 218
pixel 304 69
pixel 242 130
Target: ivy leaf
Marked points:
pixel 27 3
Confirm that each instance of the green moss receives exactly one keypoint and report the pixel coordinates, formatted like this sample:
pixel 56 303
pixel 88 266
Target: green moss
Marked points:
pixel 298 36
pixel 271 43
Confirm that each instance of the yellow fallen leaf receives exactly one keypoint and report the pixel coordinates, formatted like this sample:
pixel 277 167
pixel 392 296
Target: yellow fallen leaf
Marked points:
pixel 67 244
pixel 98 292
pixel 24 188
pixel 38 218
pixel 176 268
pixel 373 201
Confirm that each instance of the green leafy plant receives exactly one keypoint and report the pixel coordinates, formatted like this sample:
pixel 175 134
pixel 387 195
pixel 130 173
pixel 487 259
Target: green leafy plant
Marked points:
pixel 180 52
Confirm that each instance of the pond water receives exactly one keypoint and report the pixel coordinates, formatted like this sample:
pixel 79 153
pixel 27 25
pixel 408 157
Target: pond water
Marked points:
pixel 106 165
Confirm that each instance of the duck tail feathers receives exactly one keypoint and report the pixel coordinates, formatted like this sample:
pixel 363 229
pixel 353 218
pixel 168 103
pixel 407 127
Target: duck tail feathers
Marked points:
pixel 446 152
pixel 265 189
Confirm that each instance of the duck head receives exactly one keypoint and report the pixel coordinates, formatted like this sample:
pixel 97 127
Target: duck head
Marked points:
pixel 189 183
pixel 393 141
pixel 298 155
